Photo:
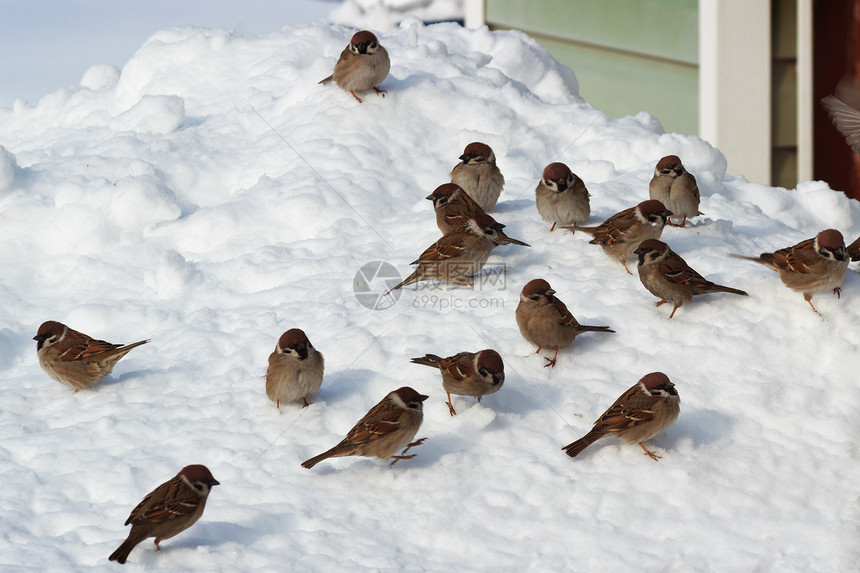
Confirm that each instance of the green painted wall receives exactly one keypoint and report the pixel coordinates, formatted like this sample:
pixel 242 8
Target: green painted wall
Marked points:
pixel 628 55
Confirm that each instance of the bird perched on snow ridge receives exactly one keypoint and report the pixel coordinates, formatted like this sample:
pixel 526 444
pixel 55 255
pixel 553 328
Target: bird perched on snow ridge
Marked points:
pixel 461 254
pixel 561 196
pixel 644 411
pixel 467 373
pixel 814 265
pixel 362 65
pixel 621 234
pixel 295 369
pixel 676 188
pixel 75 359
pixel 668 277
pixel 478 175
pixel 545 321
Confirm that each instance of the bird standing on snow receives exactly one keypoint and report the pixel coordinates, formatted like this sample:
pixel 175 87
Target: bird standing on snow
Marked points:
pixel 545 321
pixel 168 510
pixel 75 359
pixel 814 265
pixel 467 373
pixel 362 65
pixel 668 277
pixel 646 410
pixel 478 175
pixel 295 369
pixel 676 188
pixel 621 234
pixel 561 196
pixel 461 254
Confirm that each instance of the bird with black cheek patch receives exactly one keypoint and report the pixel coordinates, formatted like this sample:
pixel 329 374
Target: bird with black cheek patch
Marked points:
pixel 362 65
pixel 461 254
pixel 295 369
pixel 811 266
pixel 561 196
pixel 478 175
pixel 668 277
pixel 545 321
pixel 387 428
pixel 467 373
pixel 644 411
pixel 168 510
pixel 453 207
pixel 676 188
pixel 621 234
pixel 75 359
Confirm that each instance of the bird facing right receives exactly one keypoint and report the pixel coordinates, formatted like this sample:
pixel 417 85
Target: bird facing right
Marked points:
pixel 75 359
pixel 478 175
pixel 644 411
pixel 668 277
pixel 814 265
pixel 621 234
pixel 461 254
pixel 383 431
pixel 362 65
pixel 295 369
pixel 168 510
pixel 545 321
pixel 561 196
pixel 676 188
pixel 468 373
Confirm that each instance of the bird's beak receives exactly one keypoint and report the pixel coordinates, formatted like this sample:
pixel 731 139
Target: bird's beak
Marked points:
pixel 429 197
pixel 667 213
pixel 465 158
pixel 550 292
pixel 422 397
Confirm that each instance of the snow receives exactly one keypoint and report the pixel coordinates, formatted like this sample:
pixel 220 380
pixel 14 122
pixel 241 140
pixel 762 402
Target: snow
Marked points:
pixel 210 195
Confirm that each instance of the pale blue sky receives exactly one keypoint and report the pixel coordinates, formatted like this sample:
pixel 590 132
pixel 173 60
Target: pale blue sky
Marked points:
pixel 46 45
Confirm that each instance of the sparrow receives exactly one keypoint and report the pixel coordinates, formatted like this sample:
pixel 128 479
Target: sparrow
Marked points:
pixel 854 250
pixel 676 188
pixel 646 410
pixel 478 175
pixel 386 428
pixel 561 196
pixel 453 207
pixel 468 373
pixel 295 369
pixel 168 510
pixel 75 359
pixel 621 233
pixel 545 321
pixel 668 277
pixel 461 254
pixel 814 265
pixel 362 65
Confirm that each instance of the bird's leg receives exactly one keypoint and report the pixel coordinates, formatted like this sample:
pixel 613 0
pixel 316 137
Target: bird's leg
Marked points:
pixel 838 292
pixel 278 404
pixel 379 91
pixel 809 300
pixel 677 306
pixel 681 224
pixel 625 267
pixel 450 406
pixel 658 303
pixel 157 546
pixel 396 459
pixel 649 453
pixel 538 350
pixel 549 362
pixel 306 403
pixel 551 229
pixel 355 96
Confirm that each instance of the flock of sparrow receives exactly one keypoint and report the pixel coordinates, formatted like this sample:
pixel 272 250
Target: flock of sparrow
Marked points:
pixel 295 370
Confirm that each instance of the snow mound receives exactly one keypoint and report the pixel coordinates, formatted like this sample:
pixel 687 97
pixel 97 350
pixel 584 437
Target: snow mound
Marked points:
pixel 211 195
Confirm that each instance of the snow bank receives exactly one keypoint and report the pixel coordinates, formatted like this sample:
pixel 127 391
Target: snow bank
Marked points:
pixel 210 195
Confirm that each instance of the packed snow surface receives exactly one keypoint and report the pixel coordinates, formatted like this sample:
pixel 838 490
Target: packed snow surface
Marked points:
pixel 211 195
